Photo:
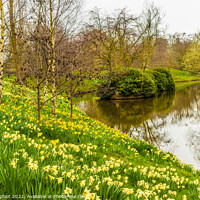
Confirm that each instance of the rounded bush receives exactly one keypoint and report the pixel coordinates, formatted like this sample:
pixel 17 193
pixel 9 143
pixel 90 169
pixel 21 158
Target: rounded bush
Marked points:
pixel 107 86
pixel 137 83
pixel 148 86
pixel 163 78
pixel 130 84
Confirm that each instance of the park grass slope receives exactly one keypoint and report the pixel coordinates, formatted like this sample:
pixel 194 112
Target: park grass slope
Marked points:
pixel 81 159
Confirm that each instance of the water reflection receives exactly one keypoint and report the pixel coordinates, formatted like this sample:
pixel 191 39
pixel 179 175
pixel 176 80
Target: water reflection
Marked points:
pixel 170 120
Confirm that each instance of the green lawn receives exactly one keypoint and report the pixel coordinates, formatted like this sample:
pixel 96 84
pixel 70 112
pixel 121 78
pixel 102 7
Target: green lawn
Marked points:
pixel 183 76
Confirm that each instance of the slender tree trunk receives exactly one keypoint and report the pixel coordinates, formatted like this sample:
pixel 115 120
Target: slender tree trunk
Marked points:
pixel 13 38
pixel 19 39
pixel 1 51
pixel 38 104
pixel 47 73
pixel 39 65
pixel 52 61
pixel 45 89
pixel 71 104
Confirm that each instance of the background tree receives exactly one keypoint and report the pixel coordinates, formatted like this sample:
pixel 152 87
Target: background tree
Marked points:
pixel 191 59
pixel 150 28
pixel 113 38
pixel 160 55
pixel 178 46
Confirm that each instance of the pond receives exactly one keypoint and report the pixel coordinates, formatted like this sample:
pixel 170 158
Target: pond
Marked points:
pixel 170 120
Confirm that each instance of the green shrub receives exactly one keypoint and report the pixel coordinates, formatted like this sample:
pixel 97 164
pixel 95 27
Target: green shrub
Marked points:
pixel 131 83
pixel 148 86
pixel 136 83
pixel 162 78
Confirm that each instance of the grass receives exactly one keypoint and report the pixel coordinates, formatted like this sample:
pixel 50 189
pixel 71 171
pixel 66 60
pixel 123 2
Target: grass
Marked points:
pixel 82 159
pixel 184 76
pixel 184 79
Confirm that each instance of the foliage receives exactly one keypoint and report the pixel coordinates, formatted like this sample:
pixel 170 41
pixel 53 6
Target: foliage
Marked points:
pixel 107 86
pixel 137 83
pixel 105 89
pixel 148 85
pixel 131 83
pixel 163 79
pixel 191 60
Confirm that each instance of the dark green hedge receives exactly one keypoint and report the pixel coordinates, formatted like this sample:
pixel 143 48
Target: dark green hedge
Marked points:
pixel 162 78
pixel 130 84
pixel 136 83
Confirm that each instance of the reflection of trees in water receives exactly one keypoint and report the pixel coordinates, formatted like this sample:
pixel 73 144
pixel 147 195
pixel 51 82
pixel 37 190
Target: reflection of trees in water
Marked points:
pixel 186 104
pixel 147 117
pixel 126 114
pixel 185 109
pixel 151 131
pixel 133 115
pixel 185 112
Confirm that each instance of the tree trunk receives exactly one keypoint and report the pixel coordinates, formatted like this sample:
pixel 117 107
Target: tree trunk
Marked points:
pixel 39 66
pixel 52 61
pixel 1 51
pixel 13 39
pixel 38 104
pixel 71 114
pixel 45 90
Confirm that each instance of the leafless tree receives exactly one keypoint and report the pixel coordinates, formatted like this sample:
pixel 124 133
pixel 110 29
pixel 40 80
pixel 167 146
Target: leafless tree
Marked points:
pixel 113 38
pixel 150 28
pixel 1 49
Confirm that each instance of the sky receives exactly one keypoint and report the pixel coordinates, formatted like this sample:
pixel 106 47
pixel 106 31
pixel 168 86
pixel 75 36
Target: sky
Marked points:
pixel 181 16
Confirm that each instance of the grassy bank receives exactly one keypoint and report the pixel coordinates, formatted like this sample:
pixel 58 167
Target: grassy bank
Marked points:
pixel 184 79
pixel 82 159
pixel 183 76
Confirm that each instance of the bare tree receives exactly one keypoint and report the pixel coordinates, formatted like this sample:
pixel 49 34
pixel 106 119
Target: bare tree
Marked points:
pixel 44 39
pixel 125 28
pixel 1 49
pixel 13 38
pixel 150 29
pixel 55 15
pixel 103 38
pixel 121 40
pixel 73 69
pixel 179 43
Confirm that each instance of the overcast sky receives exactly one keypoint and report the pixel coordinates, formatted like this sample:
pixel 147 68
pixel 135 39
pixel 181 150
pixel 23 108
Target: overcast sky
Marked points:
pixel 180 15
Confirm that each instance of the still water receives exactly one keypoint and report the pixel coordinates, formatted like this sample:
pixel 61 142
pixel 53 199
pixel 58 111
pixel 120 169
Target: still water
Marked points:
pixel 171 120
